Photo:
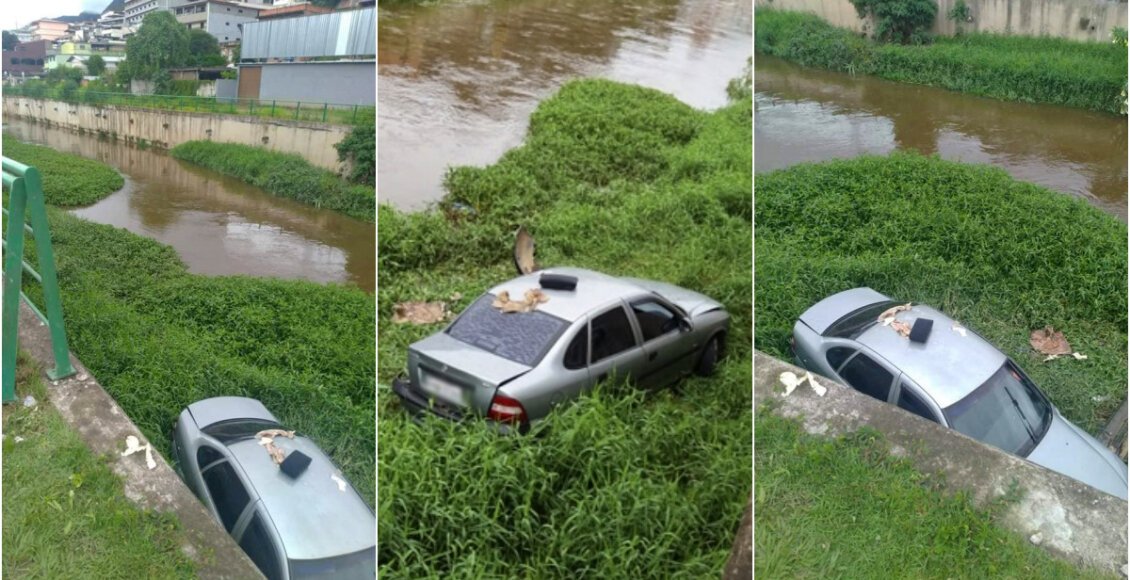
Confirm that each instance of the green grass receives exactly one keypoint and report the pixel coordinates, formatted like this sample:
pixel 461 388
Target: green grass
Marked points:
pixel 845 508
pixel 1036 70
pixel 65 514
pixel 282 174
pixel 1002 256
pixel 68 180
pixel 620 179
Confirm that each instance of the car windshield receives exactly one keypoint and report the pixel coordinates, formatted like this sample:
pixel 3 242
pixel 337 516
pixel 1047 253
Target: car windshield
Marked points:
pixel 1007 412
pixel 361 564
pixel 523 337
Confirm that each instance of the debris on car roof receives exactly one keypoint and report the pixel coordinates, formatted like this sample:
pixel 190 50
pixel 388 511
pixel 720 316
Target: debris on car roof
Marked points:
pixel 339 481
pixel 888 315
pixel 533 297
pixel 267 440
pixel 958 328
pixel 524 252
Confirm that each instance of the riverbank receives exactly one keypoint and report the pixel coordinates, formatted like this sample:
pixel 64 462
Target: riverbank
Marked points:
pixel 1002 256
pixel 65 513
pixel 284 175
pixel 68 180
pixel 137 318
pixel 1036 70
pixel 631 182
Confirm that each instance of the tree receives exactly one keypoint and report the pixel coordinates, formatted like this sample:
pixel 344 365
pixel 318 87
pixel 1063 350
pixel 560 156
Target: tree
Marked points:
pixel 63 73
pixel 10 40
pixel 95 65
pixel 205 49
pixel 159 44
pixel 902 21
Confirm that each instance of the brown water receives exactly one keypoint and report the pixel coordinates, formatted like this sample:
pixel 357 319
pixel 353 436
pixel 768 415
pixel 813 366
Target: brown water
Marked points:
pixel 457 82
pixel 807 115
pixel 218 225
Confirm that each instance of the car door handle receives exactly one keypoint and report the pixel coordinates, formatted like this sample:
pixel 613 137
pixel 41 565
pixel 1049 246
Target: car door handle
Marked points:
pixel 652 355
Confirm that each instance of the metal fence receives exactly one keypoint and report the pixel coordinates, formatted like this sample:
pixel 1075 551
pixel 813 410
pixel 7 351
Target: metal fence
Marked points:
pixel 25 195
pixel 297 110
pixel 345 33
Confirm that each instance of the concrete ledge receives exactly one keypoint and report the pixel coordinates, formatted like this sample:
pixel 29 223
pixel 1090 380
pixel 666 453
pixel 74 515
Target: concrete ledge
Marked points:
pixel 104 427
pixel 1077 522
pixel 740 564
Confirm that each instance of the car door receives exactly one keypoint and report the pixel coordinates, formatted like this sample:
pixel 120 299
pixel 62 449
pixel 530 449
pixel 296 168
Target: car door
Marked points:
pixel 869 375
pixel 255 534
pixel 614 348
pixel 225 492
pixel 664 332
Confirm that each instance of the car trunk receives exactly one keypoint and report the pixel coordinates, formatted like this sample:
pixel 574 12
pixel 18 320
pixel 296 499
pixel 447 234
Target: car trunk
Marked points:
pixel 457 375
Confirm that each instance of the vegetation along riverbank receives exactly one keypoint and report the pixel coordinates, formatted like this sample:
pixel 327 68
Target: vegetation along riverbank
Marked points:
pixel 621 179
pixel 68 180
pixel 288 175
pixel 1014 68
pixel 159 338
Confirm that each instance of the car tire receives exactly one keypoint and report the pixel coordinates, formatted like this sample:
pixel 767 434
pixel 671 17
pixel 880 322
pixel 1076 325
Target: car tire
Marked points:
pixel 708 359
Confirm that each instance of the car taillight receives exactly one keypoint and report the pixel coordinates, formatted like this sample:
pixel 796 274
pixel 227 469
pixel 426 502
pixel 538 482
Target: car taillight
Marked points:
pixel 506 409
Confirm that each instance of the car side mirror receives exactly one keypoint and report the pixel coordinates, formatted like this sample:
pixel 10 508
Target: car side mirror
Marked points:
pixel 684 325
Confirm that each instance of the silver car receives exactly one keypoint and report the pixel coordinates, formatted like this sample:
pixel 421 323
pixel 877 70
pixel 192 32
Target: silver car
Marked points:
pixel 309 525
pixel 514 367
pixel 948 374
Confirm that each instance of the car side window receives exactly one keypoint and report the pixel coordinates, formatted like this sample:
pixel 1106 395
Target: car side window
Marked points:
pixel 578 352
pixel 257 543
pixel 206 456
pixel 837 355
pixel 868 377
pixel 611 334
pixel 228 493
pixel 913 403
pixel 655 319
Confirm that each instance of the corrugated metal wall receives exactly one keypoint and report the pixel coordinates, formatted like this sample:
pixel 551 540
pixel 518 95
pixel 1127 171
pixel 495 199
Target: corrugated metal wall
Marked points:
pixel 346 33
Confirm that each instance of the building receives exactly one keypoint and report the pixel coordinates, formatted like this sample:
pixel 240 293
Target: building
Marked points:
pixel 222 19
pixel 135 10
pixel 47 29
pixel 76 54
pixel 26 58
pixel 294 10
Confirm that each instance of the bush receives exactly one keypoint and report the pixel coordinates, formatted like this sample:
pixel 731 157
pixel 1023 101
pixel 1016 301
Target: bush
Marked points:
pixel 282 174
pixel 902 21
pixel 359 148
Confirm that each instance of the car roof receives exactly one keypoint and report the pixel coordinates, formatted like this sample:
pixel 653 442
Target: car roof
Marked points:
pixel 948 366
pixel 314 518
pixel 594 290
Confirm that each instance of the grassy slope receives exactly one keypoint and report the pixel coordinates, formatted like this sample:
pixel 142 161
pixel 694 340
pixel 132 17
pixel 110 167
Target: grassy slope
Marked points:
pixel 68 180
pixel 159 338
pixel 65 515
pixel 847 508
pixel 1038 70
pixel 282 174
pixel 1001 256
pixel 628 181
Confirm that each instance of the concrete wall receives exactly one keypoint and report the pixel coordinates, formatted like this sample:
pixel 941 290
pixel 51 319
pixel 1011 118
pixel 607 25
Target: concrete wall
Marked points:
pixel 340 83
pixel 313 141
pixel 1074 521
pixel 1073 19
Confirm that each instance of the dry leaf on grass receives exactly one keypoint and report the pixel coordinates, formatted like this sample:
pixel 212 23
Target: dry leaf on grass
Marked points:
pixel 420 312
pixel 1049 341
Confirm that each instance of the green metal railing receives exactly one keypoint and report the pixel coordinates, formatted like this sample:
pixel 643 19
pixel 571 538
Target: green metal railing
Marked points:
pixel 297 110
pixel 25 201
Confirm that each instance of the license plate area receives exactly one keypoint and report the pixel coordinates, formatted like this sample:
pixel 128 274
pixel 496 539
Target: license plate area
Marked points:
pixel 442 389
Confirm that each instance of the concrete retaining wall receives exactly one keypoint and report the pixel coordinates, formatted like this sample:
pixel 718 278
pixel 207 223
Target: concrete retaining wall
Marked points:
pixel 1073 19
pixel 166 129
pixel 1075 521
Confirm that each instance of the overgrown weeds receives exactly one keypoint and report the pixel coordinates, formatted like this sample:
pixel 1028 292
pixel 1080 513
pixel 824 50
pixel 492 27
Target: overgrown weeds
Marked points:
pixel 1012 68
pixel 68 180
pixel 620 179
pixel 1001 256
pixel 282 174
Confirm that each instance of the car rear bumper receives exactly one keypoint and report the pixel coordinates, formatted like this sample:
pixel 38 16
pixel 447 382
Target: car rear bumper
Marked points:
pixel 420 406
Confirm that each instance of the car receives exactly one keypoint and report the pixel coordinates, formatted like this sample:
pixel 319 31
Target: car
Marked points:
pixel 946 373
pixel 513 368
pixel 309 524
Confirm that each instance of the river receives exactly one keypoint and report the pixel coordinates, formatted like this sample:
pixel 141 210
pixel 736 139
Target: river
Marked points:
pixel 457 81
pixel 217 224
pixel 805 114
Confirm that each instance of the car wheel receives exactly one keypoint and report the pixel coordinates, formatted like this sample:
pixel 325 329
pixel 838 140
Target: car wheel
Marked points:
pixel 708 359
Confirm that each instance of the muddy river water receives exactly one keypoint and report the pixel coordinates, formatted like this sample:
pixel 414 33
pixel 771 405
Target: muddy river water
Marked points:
pixel 218 225
pixel 806 115
pixel 458 81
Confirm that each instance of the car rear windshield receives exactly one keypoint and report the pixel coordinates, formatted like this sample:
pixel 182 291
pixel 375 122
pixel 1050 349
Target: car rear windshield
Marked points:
pixel 1007 412
pixel 235 429
pixel 854 324
pixel 523 337
pixel 361 564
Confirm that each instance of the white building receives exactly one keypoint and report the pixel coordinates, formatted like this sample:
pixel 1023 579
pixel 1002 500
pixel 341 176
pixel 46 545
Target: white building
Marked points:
pixel 220 18
pixel 135 10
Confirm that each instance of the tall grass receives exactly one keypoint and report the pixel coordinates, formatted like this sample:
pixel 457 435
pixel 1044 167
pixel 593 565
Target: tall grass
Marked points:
pixel 282 174
pixel 68 180
pixel 1002 256
pixel 628 181
pixel 1014 68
